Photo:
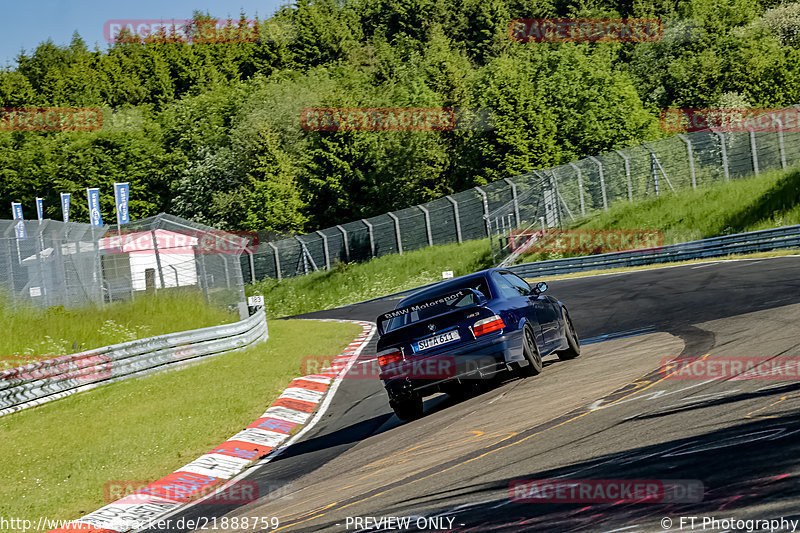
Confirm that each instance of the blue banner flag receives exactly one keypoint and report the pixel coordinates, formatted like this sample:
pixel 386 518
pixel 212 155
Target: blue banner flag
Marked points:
pixel 65 205
pixel 19 227
pixel 94 206
pixel 121 193
pixel 39 208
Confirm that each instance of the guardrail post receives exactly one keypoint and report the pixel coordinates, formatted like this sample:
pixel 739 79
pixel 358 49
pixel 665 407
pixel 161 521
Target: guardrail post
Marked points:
pixel 427 224
pixel 724 152
pixel 371 236
pixel 514 198
pixel 346 243
pixel 455 213
pixel 626 159
pixel 397 231
pixel 325 249
pixel 602 181
pixel 277 260
pixel 580 188
pixel 691 158
pixel 753 150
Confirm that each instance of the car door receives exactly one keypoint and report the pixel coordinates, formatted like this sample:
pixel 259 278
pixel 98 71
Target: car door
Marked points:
pixel 542 307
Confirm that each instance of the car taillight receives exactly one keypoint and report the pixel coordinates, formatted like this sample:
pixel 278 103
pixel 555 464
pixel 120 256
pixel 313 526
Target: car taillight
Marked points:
pixel 487 325
pixel 387 357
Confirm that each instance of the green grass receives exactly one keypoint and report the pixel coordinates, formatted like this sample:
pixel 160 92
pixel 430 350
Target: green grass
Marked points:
pixel 33 333
pixel 348 283
pixel 768 201
pixel 57 457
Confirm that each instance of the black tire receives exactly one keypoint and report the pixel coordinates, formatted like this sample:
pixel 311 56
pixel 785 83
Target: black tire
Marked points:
pixel 531 353
pixel 407 409
pixel 574 349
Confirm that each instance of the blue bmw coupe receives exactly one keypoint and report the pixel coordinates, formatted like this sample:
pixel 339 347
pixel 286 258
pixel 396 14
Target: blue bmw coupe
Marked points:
pixel 469 328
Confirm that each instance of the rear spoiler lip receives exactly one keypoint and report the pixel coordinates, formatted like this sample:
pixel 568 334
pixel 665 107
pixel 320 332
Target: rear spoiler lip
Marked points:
pixel 428 303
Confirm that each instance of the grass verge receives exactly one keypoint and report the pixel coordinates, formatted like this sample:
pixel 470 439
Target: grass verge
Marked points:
pixel 33 333
pixel 59 456
pixel 768 201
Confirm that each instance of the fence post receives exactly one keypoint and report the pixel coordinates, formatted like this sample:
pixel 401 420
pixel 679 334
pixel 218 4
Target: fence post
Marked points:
pixel 724 154
pixel 753 149
pixel 371 236
pixel 780 142
pixel 485 212
pixel 346 243
pixel 158 258
pixel 685 139
pixel 325 249
pixel 602 181
pixel 277 260
pixel 515 199
pixel 626 159
pixel 252 263
pixel 397 231
pixel 455 213
pixel 580 188
pixel 427 224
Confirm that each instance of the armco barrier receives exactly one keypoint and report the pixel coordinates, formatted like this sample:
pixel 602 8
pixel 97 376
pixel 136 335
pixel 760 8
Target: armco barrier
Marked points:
pixel 740 243
pixel 43 381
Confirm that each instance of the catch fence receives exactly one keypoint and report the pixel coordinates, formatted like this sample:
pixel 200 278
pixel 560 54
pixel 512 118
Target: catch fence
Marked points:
pixel 545 198
pixel 52 263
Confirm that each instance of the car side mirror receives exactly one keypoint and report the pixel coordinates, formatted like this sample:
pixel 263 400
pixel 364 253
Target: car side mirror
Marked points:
pixel 539 288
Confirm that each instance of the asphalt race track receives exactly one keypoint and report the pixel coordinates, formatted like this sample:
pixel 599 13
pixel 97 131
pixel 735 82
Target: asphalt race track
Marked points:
pixel 607 415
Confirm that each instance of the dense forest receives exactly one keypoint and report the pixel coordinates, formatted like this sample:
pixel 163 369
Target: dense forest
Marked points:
pixel 212 131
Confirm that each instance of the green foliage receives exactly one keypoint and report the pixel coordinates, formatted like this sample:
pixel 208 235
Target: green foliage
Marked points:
pixel 220 138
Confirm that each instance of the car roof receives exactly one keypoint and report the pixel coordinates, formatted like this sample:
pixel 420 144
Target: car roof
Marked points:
pixel 442 286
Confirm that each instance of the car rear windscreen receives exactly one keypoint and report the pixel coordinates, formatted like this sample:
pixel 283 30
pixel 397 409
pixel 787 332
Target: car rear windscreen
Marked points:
pixel 429 304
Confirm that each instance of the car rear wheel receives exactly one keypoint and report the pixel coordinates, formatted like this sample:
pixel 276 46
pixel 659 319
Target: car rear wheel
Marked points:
pixel 574 349
pixel 407 408
pixel 531 353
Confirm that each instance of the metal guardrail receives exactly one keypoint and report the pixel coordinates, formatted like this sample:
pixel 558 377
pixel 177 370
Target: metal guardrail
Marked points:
pixel 740 243
pixel 43 381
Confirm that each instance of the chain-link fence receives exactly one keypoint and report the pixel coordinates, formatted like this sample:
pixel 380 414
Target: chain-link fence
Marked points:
pixel 52 263
pixel 548 198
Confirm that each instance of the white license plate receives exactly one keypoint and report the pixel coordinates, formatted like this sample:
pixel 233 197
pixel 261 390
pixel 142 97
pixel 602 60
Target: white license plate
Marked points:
pixel 437 340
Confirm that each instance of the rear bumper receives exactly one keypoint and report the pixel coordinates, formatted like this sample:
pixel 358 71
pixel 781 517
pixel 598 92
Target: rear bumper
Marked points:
pixel 477 360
